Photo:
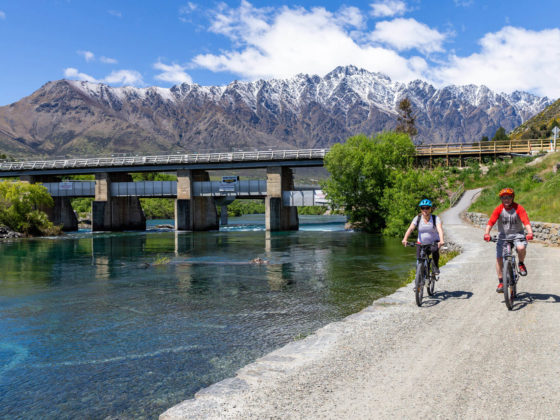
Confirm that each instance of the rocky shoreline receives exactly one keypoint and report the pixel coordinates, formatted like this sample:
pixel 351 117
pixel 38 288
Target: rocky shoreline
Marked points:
pixel 7 233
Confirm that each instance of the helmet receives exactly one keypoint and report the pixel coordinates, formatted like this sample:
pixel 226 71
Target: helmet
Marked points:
pixel 507 191
pixel 425 202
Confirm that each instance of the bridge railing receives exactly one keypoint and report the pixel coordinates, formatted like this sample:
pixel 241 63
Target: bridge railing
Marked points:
pixel 128 161
pixel 484 147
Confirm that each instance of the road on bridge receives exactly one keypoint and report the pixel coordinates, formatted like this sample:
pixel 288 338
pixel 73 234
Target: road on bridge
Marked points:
pixel 462 355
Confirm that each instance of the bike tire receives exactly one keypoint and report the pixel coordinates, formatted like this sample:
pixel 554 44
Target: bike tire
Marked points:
pixel 430 286
pixel 419 284
pixel 509 286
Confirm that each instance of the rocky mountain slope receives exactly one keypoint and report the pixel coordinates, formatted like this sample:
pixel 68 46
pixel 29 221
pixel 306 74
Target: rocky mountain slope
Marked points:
pixel 539 126
pixel 81 118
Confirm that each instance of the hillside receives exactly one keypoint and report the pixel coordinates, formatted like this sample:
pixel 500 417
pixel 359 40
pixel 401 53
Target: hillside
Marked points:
pixel 540 125
pixel 536 186
pixel 81 118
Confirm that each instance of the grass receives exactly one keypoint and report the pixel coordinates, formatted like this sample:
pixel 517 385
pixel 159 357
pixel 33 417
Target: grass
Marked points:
pixel 444 258
pixel 536 187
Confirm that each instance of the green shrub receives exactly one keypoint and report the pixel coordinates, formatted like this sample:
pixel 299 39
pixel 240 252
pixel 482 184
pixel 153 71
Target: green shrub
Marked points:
pixel 19 204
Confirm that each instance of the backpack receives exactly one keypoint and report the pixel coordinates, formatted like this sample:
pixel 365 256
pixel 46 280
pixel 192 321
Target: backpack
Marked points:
pixel 418 221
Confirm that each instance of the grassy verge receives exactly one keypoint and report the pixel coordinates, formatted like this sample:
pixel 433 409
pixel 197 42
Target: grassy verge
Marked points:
pixel 444 258
pixel 537 187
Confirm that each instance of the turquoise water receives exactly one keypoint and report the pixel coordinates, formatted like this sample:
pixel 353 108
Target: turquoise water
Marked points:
pixel 91 327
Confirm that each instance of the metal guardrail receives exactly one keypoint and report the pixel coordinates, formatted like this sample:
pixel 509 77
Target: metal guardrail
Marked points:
pixel 132 161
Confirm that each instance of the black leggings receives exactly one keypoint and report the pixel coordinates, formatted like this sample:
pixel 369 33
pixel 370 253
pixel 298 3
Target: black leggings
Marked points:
pixel 434 251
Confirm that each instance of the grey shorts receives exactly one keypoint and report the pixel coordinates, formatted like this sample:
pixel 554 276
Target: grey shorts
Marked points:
pixel 518 239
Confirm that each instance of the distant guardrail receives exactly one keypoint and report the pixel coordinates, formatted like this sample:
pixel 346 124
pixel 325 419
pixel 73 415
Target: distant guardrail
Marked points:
pixel 176 159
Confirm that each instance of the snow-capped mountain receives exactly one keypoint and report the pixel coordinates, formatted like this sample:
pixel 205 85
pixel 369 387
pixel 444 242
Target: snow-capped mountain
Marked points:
pixel 73 117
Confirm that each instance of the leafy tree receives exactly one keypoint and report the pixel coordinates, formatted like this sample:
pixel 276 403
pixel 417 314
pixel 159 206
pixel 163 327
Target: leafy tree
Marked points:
pixel 484 138
pixel 553 124
pixel 371 176
pixel 406 119
pixel 19 203
pixel 500 134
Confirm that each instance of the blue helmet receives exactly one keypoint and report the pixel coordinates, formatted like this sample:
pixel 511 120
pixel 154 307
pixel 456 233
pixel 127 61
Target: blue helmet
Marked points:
pixel 425 202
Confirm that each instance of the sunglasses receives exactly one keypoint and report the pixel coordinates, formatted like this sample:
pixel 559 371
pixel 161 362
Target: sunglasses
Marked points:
pixel 506 197
pixel 425 207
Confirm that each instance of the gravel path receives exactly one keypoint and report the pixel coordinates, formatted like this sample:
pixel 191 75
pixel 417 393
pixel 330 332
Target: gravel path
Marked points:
pixel 461 355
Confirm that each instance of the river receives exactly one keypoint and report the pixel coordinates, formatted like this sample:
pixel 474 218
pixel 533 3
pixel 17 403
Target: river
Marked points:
pixel 91 326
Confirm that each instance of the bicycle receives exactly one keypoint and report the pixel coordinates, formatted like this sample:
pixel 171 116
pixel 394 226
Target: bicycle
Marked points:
pixel 424 273
pixel 510 273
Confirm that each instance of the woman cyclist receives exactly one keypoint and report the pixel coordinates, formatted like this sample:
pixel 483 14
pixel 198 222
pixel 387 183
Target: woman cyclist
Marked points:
pixel 430 231
pixel 511 218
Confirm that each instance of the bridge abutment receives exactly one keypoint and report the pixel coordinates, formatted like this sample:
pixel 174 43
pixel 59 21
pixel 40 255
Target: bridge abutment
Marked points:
pixel 277 216
pixel 61 213
pixel 193 212
pixel 115 213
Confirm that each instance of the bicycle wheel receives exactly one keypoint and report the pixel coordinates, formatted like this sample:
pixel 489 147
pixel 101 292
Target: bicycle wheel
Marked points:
pixel 419 284
pixel 430 285
pixel 509 286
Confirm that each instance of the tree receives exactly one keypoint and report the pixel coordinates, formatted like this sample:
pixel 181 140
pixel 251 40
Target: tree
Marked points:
pixel 18 208
pixel 406 119
pixel 500 134
pixel 484 138
pixel 374 181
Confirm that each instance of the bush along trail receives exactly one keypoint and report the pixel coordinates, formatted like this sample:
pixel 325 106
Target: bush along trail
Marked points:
pixel 461 355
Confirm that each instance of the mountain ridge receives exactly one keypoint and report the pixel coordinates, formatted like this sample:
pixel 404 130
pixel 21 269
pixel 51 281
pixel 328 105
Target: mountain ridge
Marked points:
pixel 76 117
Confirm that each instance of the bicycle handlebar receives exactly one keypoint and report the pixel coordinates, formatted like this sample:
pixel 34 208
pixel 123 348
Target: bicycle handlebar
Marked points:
pixel 496 239
pixel 419 244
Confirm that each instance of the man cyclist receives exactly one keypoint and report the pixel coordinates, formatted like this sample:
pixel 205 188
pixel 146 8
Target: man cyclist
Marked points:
pixel 511 218
pixel 430 230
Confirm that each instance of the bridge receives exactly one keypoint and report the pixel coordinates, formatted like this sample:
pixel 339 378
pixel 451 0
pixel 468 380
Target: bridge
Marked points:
pixel 116 203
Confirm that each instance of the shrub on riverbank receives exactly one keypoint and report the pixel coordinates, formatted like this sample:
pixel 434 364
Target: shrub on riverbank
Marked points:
pixel 19 203
pixel 376 184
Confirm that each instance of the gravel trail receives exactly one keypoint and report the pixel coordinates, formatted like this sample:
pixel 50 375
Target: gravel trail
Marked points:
pixel 461 355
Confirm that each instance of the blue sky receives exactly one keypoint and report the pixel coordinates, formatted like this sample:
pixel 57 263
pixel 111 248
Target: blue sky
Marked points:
pixel 506 45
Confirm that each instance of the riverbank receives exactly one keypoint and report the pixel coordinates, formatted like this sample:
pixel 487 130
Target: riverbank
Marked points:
pixel 394 359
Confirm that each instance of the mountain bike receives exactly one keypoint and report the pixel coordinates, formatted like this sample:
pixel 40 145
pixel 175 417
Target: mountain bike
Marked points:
pixel 511 276
pixel 424 273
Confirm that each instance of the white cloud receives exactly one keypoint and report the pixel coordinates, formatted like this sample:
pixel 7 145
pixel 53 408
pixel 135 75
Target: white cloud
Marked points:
pixel 185 11
pixel 115 13
pixel 124 77
pixel 463 3
pixel 2 15
pixel 119 77
pixel 173 73
pixel 510 59
pixel 73 73
pixel 386 8
pixel 88 55
pixel 107 60
pixel 285 42
pixel 405 34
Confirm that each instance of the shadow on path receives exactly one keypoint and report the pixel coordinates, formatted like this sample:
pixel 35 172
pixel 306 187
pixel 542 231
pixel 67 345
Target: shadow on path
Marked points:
pixel 525 298
pixel 444 295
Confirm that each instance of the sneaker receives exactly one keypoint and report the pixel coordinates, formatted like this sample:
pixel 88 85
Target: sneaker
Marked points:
pixel 500 288
pixel 435 269
pixel 522 269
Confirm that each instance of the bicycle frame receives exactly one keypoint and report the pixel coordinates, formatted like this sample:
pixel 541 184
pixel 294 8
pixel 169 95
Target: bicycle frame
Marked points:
pixel 424 273
pixel 509 267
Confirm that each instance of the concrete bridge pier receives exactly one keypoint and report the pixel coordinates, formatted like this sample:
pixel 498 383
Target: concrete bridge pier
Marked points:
pixel 277 216
pixel 115 213
pixel 194 213
pixel 61 213
pixel 223 202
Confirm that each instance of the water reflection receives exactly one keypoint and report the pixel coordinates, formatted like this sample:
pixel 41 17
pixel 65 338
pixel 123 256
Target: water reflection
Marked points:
pixel 91 327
